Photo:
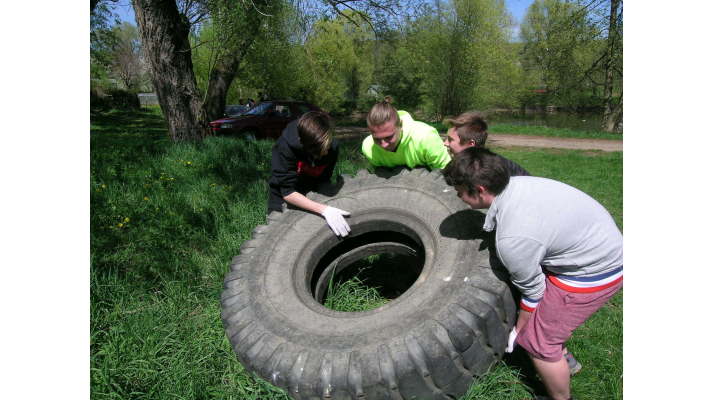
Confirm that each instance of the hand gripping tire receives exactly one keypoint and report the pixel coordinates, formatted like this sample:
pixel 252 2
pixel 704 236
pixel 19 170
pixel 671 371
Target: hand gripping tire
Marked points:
pixel 449 327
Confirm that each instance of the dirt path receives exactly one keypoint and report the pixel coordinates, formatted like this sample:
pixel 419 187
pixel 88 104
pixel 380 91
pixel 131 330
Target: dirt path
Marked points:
pixel 506 140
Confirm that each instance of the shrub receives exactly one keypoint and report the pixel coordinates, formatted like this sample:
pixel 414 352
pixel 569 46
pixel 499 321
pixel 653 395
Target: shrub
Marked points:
pixel 113 99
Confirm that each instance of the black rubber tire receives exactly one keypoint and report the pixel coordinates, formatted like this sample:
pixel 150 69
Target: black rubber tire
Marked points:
pixel 450 326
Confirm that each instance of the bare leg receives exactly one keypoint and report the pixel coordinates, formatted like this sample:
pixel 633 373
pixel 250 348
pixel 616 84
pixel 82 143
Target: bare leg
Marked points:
pixel 555 376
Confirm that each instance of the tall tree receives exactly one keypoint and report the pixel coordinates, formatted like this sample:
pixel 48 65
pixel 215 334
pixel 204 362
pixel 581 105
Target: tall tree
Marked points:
pixel 102 39
pixel 164 35
pixel 558 37
pixel 339 65
pixel 612 66
pixel 236 28
pixel 576 48
pixel 397 71
pixel 463 54
pixel 126 60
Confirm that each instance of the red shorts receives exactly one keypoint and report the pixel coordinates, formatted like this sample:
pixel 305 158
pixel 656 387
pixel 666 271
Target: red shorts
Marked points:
pixel 559 312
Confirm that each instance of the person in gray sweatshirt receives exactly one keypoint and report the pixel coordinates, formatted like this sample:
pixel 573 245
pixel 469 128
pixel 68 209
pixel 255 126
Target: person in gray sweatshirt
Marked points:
pixel 561 247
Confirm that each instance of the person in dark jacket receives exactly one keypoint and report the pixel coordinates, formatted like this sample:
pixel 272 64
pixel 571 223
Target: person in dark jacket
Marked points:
pixel 303 157
pixel 469 129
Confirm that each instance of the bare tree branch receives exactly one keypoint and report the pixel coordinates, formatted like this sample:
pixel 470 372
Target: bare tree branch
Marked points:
pixel 258 10
pixel 360 13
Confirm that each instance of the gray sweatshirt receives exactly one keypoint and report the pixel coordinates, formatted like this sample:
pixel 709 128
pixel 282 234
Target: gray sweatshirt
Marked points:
pixel 542 224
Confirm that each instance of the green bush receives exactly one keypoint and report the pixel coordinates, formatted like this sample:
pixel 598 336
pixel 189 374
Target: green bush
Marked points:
pixel 118 99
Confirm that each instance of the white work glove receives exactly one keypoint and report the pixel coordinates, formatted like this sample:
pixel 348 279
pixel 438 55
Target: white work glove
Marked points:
pixel 335 219
pixel 510 342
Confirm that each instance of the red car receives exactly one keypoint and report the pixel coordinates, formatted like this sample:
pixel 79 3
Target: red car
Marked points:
pixel 264 121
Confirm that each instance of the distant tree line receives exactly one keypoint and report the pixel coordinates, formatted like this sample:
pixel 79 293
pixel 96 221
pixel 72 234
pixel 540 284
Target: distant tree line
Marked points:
pixel 438 58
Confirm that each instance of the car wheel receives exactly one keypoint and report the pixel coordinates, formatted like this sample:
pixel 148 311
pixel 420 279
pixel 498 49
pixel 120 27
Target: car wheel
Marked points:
pixel 449 326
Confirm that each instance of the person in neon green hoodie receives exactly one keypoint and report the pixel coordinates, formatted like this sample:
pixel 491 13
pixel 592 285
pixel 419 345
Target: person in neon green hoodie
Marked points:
pixel 396 139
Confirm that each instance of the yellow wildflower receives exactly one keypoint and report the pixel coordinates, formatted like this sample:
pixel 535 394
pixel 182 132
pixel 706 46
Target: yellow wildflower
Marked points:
pixel 120 225
pixel 126 220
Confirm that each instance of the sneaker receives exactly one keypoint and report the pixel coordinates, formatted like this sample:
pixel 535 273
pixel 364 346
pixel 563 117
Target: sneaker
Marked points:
pixel 574 366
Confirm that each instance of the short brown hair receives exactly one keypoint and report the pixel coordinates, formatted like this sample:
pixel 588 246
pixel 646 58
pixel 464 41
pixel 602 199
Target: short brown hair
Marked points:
pixel 477 166
pixel 383 112
pixel 469 125
pixel 315 132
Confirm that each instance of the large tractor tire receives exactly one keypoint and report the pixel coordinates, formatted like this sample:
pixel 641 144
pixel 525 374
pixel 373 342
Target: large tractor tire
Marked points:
pixel 449 327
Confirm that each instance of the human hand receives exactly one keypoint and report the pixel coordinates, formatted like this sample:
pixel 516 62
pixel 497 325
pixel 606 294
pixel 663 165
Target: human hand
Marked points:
pixel 335 219
pixel 510 341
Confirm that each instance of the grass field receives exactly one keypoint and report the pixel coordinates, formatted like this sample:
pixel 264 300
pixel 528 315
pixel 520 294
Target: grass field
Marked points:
pixel 553 132
pixel 167 218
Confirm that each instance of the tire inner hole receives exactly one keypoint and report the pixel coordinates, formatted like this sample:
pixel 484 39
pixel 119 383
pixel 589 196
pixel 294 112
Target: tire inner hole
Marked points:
pixel 367 271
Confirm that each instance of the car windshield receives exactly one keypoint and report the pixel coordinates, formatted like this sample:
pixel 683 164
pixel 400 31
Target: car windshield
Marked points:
pixel 259 109
pixel 234 111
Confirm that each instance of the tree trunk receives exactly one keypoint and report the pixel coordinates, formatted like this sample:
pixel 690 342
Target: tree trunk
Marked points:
pixel 613 117
pixel 164 34
pixel 613 111
pixel 221 78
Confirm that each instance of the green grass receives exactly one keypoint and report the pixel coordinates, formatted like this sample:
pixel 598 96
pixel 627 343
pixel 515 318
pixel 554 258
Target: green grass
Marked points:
pixel 353 295
pixel 554 132
pixel 165 221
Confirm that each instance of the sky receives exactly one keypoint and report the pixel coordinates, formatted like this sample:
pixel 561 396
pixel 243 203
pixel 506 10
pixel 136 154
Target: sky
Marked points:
pixel 516 7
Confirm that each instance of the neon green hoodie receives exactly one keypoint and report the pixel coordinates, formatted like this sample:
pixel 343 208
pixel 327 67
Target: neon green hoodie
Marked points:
pixel 420 145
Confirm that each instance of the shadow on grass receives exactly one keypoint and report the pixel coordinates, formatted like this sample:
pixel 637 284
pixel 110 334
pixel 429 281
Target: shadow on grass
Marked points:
pixel 519 359
pixel 152 214
pixel 239 161
pixel 123 139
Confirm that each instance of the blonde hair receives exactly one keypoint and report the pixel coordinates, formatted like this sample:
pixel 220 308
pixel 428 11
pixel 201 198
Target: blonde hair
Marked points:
pixel 383 112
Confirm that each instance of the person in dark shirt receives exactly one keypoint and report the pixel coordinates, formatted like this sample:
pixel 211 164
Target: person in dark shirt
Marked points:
pixel 469 129
pixel 303 157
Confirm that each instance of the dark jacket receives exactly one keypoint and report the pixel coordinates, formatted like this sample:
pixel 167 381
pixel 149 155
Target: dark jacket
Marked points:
pixel 295 170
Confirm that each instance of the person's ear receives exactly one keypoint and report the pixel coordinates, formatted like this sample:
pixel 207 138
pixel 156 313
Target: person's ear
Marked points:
pixel 480 190
pixel 472 143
